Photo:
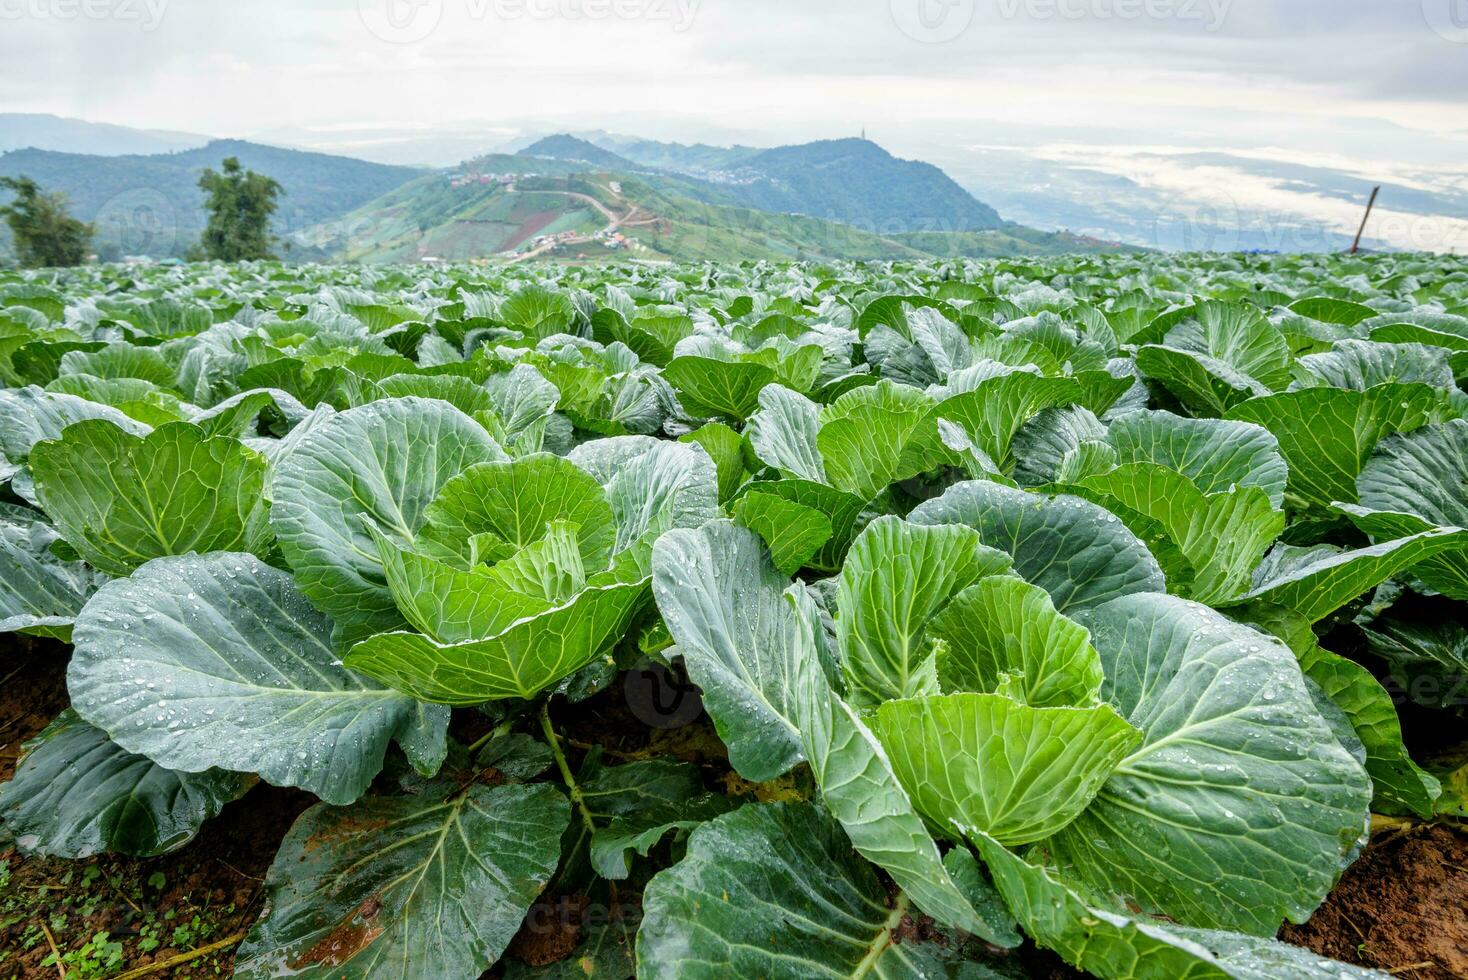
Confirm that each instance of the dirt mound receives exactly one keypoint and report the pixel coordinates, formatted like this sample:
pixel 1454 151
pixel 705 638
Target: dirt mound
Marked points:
pixel 1402 907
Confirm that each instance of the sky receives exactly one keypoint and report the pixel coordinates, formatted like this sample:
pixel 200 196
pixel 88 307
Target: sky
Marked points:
pixel 1065 91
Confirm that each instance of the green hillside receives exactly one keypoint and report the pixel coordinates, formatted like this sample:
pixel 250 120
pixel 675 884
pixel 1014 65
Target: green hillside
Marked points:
pixel 432 217
pixel 857 182
pixel 516 208
pixel 571 149
pixel 152 204
pixel 853 181
pixel 439 217
pixel 698 159
pixel 563 198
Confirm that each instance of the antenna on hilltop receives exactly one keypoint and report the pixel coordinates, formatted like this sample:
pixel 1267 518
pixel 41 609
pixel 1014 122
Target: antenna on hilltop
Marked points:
pixel 863 132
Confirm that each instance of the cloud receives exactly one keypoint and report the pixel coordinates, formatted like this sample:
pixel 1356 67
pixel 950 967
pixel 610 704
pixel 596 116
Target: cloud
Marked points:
pixel 681 56
pixel 1368 82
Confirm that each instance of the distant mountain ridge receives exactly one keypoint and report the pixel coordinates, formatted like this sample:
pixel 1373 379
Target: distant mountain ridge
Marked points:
pixel 575 150
pixel 41 131
pixel 692 159
pixel 549 202
pixel 151 204
pixel 853 181
pixel 562 196
pixel 856 181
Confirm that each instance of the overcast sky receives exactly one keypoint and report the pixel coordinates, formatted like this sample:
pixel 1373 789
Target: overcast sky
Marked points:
pixel 1147 71
pixel 1375 85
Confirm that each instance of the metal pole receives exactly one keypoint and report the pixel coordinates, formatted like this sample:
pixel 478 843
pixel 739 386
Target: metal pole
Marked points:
pixel 1356 245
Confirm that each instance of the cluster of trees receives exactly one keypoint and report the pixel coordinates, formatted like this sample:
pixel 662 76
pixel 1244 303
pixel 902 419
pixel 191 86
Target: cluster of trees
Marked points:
pixel 45 232
pixel 239 204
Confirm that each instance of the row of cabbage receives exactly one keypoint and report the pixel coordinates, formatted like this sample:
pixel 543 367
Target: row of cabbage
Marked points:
pixel 1021 569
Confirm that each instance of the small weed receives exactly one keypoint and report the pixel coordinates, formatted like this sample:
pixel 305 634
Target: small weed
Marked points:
pixel 185 935
pixel 98 957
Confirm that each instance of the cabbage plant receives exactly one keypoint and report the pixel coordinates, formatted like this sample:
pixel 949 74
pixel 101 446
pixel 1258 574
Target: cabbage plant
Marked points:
pixel 936 619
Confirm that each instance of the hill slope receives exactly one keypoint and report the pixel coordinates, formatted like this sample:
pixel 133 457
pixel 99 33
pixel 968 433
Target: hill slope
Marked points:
pixel 584 216
pixel 571 149
pixel 853 181
pixel 152 204
pixel 693 159
pixel 573 212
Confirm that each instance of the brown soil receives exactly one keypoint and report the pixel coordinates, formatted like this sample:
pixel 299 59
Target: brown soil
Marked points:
pixel 1402 907
pixel 551 931
pixel 212 888
pixel 209 891
pixel 32 692
pixel 528 229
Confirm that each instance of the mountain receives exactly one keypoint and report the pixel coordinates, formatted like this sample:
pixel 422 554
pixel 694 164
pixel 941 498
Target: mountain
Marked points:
pixel 19 130
pixel 442 145
pixel 530 207
pixel 575 217
pixel 695 160
pixel 572 149
pixel 561 196
pixel 853 181
pixel 152 205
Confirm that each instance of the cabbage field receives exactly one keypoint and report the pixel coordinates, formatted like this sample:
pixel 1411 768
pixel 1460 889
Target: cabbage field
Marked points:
pixel 884 620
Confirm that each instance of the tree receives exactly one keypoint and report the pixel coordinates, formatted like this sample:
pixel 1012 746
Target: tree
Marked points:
pixel 240 203
pixel 45 232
